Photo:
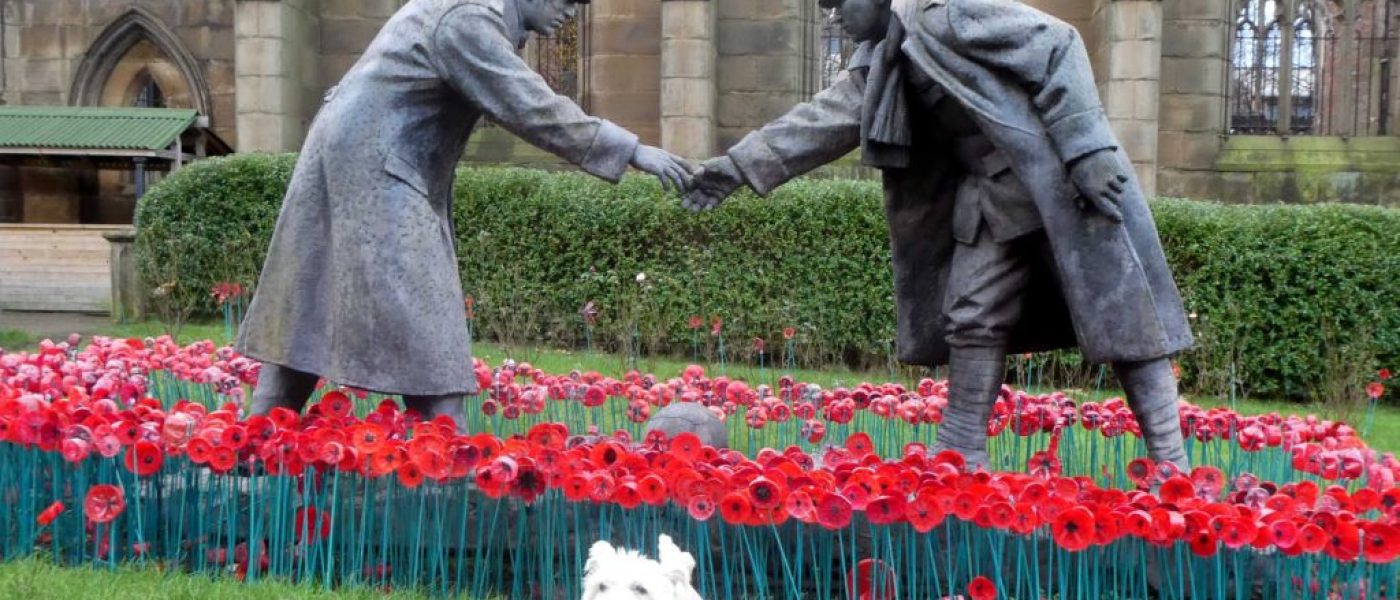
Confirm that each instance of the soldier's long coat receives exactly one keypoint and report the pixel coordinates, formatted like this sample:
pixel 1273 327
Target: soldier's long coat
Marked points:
pixel 1025 77
pixel 361 283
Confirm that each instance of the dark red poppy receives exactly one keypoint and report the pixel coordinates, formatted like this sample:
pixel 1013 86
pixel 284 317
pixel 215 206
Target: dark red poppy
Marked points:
pixel 833 511
pixel 410 475
pixel 144 458
pixel 335 404
pixel 1177 489
pixel 104 503
pixel 871 580
pixel 766 493
pixel 1140 471
pixel 735 507
pixel 859 444
pixel 1204 543
pixel 1073 529
pixel 981 588
pixel 50 513
pixel 1382 543
pixel 886 510
pixel 924 514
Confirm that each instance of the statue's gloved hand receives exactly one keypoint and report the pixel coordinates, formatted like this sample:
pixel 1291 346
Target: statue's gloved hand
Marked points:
pixel 718 178
pixel 1101 182
pixel 674 172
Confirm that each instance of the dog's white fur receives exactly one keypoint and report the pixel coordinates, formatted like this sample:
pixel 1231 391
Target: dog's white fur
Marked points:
pixel 613 574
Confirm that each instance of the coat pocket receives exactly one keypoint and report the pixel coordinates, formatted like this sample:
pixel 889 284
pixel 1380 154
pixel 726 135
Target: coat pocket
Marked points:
pixel 399 169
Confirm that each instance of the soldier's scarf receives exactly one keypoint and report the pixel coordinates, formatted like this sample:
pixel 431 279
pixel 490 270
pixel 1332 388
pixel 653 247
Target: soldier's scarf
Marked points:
pixel 885 114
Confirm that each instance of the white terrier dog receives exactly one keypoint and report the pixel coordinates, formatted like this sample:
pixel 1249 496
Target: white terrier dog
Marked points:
pixel 613 574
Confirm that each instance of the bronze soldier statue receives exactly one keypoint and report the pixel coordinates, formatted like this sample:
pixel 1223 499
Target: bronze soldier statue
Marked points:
pixel 1016 222
pixel 361 284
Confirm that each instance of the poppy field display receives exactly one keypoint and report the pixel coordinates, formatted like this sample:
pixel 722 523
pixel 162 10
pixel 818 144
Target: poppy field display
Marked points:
pixel 129 450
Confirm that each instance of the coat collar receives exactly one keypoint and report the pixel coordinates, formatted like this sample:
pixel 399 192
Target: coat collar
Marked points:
pixel 515 26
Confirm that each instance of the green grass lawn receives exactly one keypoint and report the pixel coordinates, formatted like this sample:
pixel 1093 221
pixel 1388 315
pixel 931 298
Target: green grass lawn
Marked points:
pixel 36 579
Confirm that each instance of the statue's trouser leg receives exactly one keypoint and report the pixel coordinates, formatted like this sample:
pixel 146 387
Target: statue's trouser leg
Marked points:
pixel 984 301
pixel 452 406
pixel 280 386
pixel 1151 390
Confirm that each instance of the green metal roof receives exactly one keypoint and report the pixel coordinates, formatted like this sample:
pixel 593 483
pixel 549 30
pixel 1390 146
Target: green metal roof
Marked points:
pixel 92 128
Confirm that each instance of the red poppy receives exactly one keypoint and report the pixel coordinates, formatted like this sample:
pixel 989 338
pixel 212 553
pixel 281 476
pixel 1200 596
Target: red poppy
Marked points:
pixel 1375 390
pixel 1074 529
pixel 1344 542
pixel 222 459
pixel 833 511
pixel 859 444
pixel 789 333
pixel 576 487
pixel 871 580
pixel 367 438
pixel 1284 533
pixel 198 450
pixel 104 503
pixel 886 510
pixel 696 322
pixel 981 588
pixel 701 507
pixel 1140 471
pixel 283 418
pixel 924 514
pixel 1382 543
pixel 1311 538
pixel 1204 543
pixel 766 493
pixel 335 404
pixel 686 445
pixel 1177 489
pixel 652 488
pixel 1384 374
pixel 50 514
pixel 410 475
pixel 1209 480
pixel 144 458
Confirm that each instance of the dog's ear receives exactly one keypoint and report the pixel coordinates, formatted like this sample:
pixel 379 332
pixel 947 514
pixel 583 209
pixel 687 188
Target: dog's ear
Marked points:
pixel 598 554
pixel 677 563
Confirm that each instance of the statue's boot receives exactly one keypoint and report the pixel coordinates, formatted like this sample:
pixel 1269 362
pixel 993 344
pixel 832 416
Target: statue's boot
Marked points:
pixel 452 406
pixel 1152 395
pixel 280 386
pixel 974 381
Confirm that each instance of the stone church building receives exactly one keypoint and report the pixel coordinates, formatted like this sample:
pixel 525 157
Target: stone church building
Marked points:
pixel 1237 100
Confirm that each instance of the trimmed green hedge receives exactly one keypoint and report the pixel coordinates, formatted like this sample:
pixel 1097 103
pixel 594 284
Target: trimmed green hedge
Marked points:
pixel 1277 290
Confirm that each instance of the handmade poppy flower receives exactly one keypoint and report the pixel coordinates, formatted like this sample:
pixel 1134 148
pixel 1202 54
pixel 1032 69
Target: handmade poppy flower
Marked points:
pixel 886 510
pixel 859 444
pixel 600 487
pixel 410 475
pixel 833 511
pixel 686 445
pixel 1344 542
pixel 924 514
pixel 104 503
pixel 1208 480
pixel 1382 543
pixel 1073 529
pixel 143 458
pixel 981 588
pixel 1311 538
pixel 335 404
pixel 1204 543
pixel 652 488
pixel 49 514
pixel 1140 471
pixel 735 507
pixel 799 505
pixel 529 484
pixel 700 507
pixel 1177 489
pixel 222 459
pixel 766 493
pixel 871 579
pixel 75 450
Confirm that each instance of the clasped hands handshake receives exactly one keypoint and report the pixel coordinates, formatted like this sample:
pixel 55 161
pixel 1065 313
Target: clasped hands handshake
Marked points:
pixel 702 188
pixel 1099 178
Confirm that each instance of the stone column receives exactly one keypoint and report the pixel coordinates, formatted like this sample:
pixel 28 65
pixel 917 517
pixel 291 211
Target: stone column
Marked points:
pixel 270 68
pixel 688 59
pixel 1128 67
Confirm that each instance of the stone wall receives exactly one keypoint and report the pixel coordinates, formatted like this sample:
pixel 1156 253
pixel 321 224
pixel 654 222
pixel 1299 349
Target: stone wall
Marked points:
pixel 45 42
pixel 764 63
